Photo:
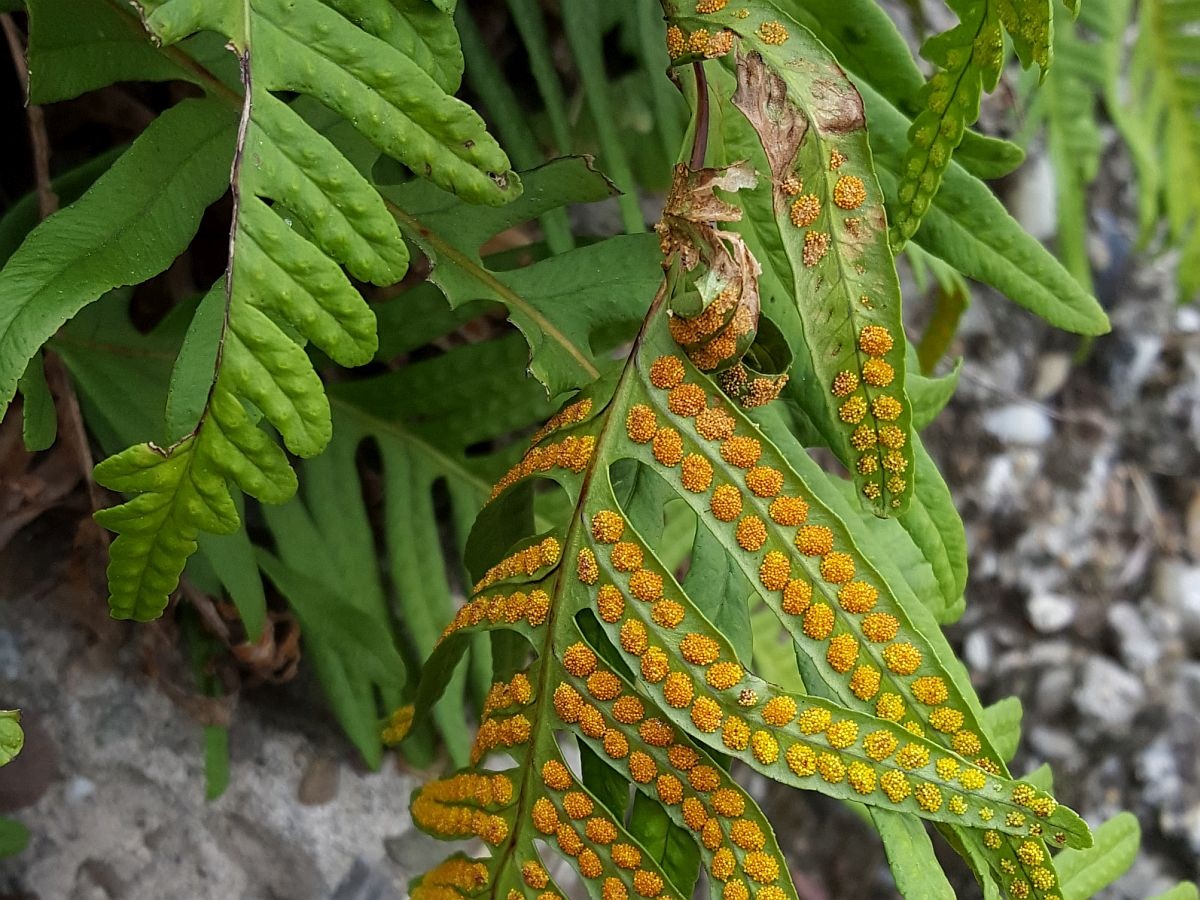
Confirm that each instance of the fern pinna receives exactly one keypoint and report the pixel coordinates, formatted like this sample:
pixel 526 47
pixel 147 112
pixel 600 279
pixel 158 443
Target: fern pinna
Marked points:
pixel 628 663
pixel 302 211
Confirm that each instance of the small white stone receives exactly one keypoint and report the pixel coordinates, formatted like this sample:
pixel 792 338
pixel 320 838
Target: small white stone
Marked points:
pixel 1019 423
pixel 1050 612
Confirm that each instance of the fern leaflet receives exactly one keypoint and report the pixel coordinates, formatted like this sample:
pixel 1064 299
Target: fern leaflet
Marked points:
pixel 284 285
pixel 630 665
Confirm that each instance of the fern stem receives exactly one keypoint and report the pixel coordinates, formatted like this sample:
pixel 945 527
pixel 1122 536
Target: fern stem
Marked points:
pixel 700 136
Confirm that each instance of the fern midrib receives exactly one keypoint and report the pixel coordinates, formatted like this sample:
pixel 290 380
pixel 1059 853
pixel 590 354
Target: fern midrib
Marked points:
pixel 572 540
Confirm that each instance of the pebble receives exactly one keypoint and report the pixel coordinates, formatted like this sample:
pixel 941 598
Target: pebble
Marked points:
pixel 1177 586
pixel 1050 612
pixel 1021 424
pixel 1136 642
pixel 1108 695
pixel 319 783
pixel 1054 744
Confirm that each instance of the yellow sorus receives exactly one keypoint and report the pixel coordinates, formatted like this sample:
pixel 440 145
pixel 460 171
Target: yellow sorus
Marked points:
pixel 805 210
pixel 814 720
pixel 747 835
pixel 886 408
pixel 991 840
pixel 585 566
pixel 579 660
pixel 726 503
pixel 723 864
pixel 723 675
pixel 797 595
pixel 696 473
pixel 849 192
pixel 857 597
pixel 699 649
pixel 656 733
pixel 626 556
pixel 687 400
pixel 831 768
pixel 534 875
pixel 544 815
pixel 946 720
pixel 890 707
pixel 929 797
pixel 667 372
pixel 880 744
pixel 788 511
pixel 764 481
pixel 760 867
pixel 641 424
pixel 626 856
pixel 681 757
pixel 865 681
pixel 667 446
pixel 879 628
pixel 704 779
pixel 878 373
pixel 801 760
pixel 710 6
pixel 607 526
pixel 772 32
pixel 861 777
pixel 577 805
pixel 892 437
pixel 947 768
pixel 735 734
pixel 930 690
pixel 667 613
pixel 678 690
pixel 775 571
pixel 957 805
pixel 779 711
pixel 609 603
pixel 676 42
pixel 646 585
pixel 604 686
pixel 764 747
pixel 633 637
pixel 655 665
pixel 591 722
pixel 844 383
pixel 641 767
pixel 912 756
pixel 852 411
pixel 741 451
pixel 863 437
pixel 814 540
pixel 568 703
pixel 972 779
pixel 751 533
pixel 837 567
pixel 895 786
pixel 670 789
pixel 1031 853
pixel 628 710
pixel 706 714
pixel 902 658
pixel 842 653
pixel 967 743
pixel 648 884
pixel 615 744
pixel 715 424
pixel 818 621
pixel 728 803
pixel 875 340
pixel 841 734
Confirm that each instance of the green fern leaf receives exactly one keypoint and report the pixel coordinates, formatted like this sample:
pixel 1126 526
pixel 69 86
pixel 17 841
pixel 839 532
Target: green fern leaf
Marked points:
pixel 285 286
pixel 1162 126
pixel 628 664
pixel 829 226
pixel 135 219
pixel 969 58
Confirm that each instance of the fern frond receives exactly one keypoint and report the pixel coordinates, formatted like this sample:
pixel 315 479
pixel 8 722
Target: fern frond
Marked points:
pixel 630 666
pixel 830 229
pixel 284 285
pixel 1161 121
pixel 969 58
